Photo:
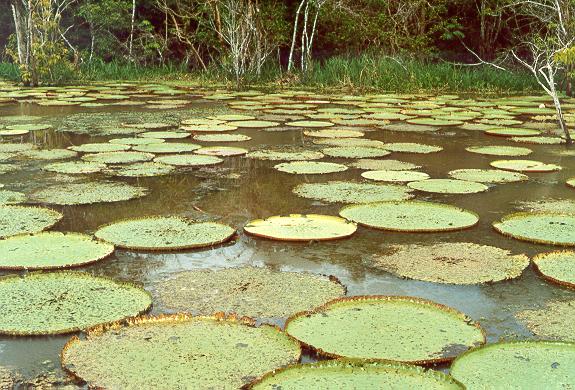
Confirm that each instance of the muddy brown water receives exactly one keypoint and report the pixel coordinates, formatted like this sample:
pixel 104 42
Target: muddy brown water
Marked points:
pixel 242 189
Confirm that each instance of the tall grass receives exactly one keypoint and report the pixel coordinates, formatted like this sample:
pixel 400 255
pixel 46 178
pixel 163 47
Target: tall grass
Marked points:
pixel 9 71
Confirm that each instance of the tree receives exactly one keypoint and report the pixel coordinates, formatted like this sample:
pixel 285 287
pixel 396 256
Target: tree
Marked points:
pixel 307 33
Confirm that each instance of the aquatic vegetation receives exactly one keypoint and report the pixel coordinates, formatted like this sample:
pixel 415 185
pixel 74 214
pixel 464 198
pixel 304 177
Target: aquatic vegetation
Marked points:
pixel 29 127
pixel 253 124
pixel 288 155
pixel 557 267
pixel 539 140
pixel 512 132
pixel 23 219
pixel 15 148
pixel 100 148
pixel 11 197
pixel 221 137
pixel 551 322
pixel 167 147
pixel 350 192
pixel 189 160
pixel 383 328
pixel 221 151
pixel 334 133
pixel 63 302
pixel 164 233
pixel 309 124
pixel 247 291
pixel 411 147
pixel 75 167
pixel 354 152
pixel 48 154
pixel 566 206
pixel 300 227
pixel 435 122
pixel 448 186
pixel 87 193
pixel 149 125
pixel 524 166
pixel 145 169
pixel 395 176
pixel 451 263
pixel 543 227
pixel 383 165
pixel 118 157
pixel 494 176
pixel 409 128
pixel 137 141
pixel 349 142
pixel 310 167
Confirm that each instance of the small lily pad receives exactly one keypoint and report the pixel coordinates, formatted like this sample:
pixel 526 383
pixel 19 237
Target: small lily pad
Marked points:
pixel 310 167
pixel 21 219
pixel 75 167
pixel 350 192
pixel 354 152
pixel 88 193
pixel 448 186
pixel 167 147
pixel 395 176
pixel 543 228
pixel 221 151
pixel 488 175
pixel 525 166
pixel 500 150
pixel 118 157
pixel 410 147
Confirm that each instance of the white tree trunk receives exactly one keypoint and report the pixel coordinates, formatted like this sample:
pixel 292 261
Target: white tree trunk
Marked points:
pixel 132 29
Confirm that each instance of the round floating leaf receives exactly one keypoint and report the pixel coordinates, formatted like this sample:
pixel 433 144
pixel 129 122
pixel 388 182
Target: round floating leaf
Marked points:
pixel 29 127
pixel 11 197
pixel 75 167
pixel 512 132
pixel 157 136
pixel 171 147
pixel 354 152
pixel 539 140
pixel 118 157
pixel 88 193
pixel 20 219
pixel 571 182
pixel 179 351
pixel 543 228
pixel 500 150
pixel 64 302
pixel 310 167
pixel 384 165
pixel 12 133
pixel 406 127
pixel 487 175
pixel 349 142
pixel 222 137
pixel 253 124
pixel 309 124
pixel 410 147
pixel 51 250
pixel 402 329
pixel 410 216
pixel 247 291
pixel 557 267
pixel 222 151
pixel 209 128
pixel 233 117
pixel 524 166
pixel 448 186
pixel 277 155
pixel 452 263
pixel 552 322
pixel 521 365
pixel 189 160
pixel 350 192
pixel 49 154
pixel 164 233
pixel 145 169
pixel 15 148
pixel 434 122
pixel 137 141
pixel 395 176
pixel 7 168
pixel 100 148
pixel 334 133
pixel 149 126
pixel 549 205
pixel 355 374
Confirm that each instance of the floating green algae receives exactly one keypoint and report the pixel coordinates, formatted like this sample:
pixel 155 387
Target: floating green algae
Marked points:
pixel 88 193
pixel 164 233
pixel 11 197
pixel 179 351
pixel 49 250
pixel 543 228
pixel 291 155
pixel 247 291
pixel 522 364
pixel 118 157
pixel 100 148
pixel 411 147
pixel 300 227
pixel 488 175
pixel 452 263
pixel 189 160
pixel 222 137
pixel 221 151
pixel 403 329
pixel 64 302
pixel 354 152
pixel 448 186
pixel 145 169
pixel 524 166
pixel 22 219
pixel 355 374
pixel 310 167
pixel 557 267
pixel 410 216
pixel 395 176
pixel 383 165
pixel 350 192
pixel 552 321
pixel 75 167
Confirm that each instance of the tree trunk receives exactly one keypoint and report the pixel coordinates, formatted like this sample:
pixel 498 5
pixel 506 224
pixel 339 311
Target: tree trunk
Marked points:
pixel 132 30
pixel 295 26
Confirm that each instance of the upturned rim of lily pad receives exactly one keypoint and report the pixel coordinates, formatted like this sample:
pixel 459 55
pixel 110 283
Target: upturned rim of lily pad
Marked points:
pixel 537 258
pixel 531 239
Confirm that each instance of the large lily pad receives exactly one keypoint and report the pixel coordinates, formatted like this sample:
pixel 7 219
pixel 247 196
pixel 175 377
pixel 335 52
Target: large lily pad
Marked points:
pixel 221 151
pixel 310 167
pixel 410 216
pixel 334 133
pixel 395 176
pixel 20 219
pixel 247 291
pixel 448 186
pixel 512 132
pixel 554 321
pixel 350 192
pixel 50 250
pixel 355 374
pixel 452 263
pixel 145 169
pixel 500 150
pixel 75 167
pixel 11 197
pixel 404 329
pixel 88 193
pixel 299 227
pixel 100 148
pixel 543 228
pixel 222 137
pixel 309 124
pixel 118 157
pixel 355 152
pixel 384 165
pixel 189 160
pixel 349 142
pixel 167 147
pixel 278 155
pixel 49 154
pixel 410 147
pixel 524 166
pixel 488 175
pixel 254 124
pixel 179 351
pixel 15 148
pixel 164 233
pixel 557 267
pixel 520 365
pixel 63 302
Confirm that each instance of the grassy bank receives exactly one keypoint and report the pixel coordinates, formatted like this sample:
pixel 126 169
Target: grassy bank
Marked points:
pixel 362 73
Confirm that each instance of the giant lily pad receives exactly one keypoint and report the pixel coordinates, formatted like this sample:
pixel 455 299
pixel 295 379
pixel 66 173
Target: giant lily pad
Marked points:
pixel 404 329
pixel 349 142
pixel 521 365
pixel 87 193
pixel 410 147
pixel 384 165
pixel 354 152
pixel 543 228
pixel 49 154
pixel 487 175
pixel 51 250
pixel 63 302
pixel 309 124
pixel 355 374
pixel 19 219
pixel 118 157
pixel 524 166
pixel 15 148
pixel 410 216
pixel 395 176
pixel 221 151
pixel 552 322
pixel 145 169
pixel 350 192
pixel 512 132
pixel 452 263
pixel 253 124
pixel 310 167
pixel 334 133
pixel 179 351
pixel 164 233
pixel 500 150
pixel 299 227
pixel 189 160
pixel 557 267
pixel 222 137
pixel 448 186
pixel 167 147
pixel 75 167
pixel 100 148
pixel 11 197
pixel 278 155
pixel 247 291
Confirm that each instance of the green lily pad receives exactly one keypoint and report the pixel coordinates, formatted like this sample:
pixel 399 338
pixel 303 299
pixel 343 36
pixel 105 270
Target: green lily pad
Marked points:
pixel 49 154
pixel 160 135
pixel 209 128
pixel 452 263
pixel 29 127
pixel 566 206
pixel 409 128
pixel 410 216
pixel 384 165
pixel 277 155
pixel 571 182
pixel 118 157
pixel 488 175
pixel 137 141
pixel 395 176
pixel 100 148
pixel 253 124
pixel 355 374
pixel 309 124
pixel 11 197
pixel 189 160
pixel 349 142
pixel 247 291
pixel 75 167
pixel 522 365
pixel 435 122
pixel 404 329
pixel 299 227
pixel 50 250
pixel 168 147
pixel 410 147
pixel 539 140
pixel 12 133
pixel 350 192
pixel 221 151
pixel 551 322
pixel 7 168
pixel 233 117
pixel 500 150
pixel 145 169
pixel 543 228
pixel 164 233
pixel 149 125
pixel 512 132
pixel 310 167
pixel 448 186
pixel 21 219
pixel 354 152
pixel 524 166
pixel 221 137
pixel 557 267
pixel 88 193
pixel 334 133
pixel 64 302
pixel 15 148
pixel 179 351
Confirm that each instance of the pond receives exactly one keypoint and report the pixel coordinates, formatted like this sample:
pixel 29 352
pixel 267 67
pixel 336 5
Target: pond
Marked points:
pixel 243 188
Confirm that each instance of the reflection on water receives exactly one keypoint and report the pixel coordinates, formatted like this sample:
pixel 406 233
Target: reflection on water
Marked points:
pixel 242 189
